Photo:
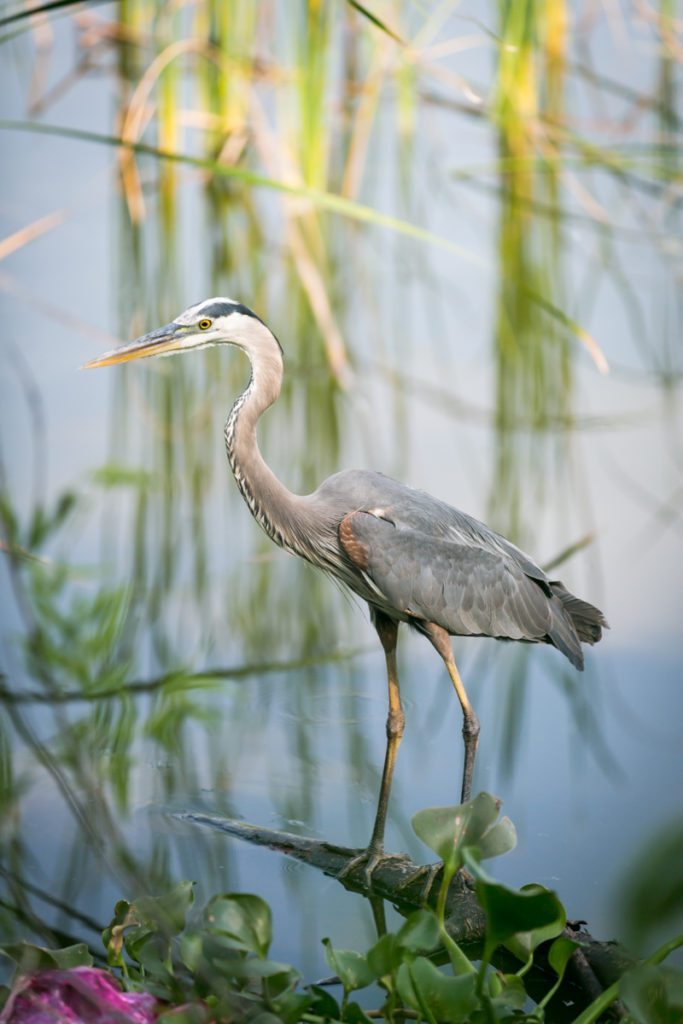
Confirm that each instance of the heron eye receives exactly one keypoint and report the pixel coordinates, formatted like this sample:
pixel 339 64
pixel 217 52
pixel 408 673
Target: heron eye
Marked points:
pixel 204 325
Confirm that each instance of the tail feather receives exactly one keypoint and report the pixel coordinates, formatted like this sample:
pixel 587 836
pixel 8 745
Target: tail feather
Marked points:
pixel 588 621
pixel 563 633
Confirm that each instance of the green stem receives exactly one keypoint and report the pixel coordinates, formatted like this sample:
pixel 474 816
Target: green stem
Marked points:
pixel 459 961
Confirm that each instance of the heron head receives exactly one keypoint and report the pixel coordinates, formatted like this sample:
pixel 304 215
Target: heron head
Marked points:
pixel 212 322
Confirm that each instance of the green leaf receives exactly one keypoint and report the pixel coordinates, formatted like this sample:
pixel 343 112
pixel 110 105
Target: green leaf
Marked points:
pixel 242 918
pixel 507 991
pixel 324 1004
pixel 419 933
pixel 30 958
pixel 435 995
pixel 167 912
pixel 448 831
pixel 290 1006
pixel 560 954
pixel 385 956
pixel 653 995
pixel 352 968
pixel 524 943
pixel 150 949
pixel 509 912
pixel 191 1013
pixel 256 967
pixel 353 1014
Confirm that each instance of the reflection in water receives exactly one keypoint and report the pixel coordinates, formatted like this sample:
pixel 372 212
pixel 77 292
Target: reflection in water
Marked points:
pixel 156 571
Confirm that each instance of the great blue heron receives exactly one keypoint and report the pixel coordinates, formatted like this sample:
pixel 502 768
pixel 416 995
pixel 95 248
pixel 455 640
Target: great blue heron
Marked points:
pixel 413 558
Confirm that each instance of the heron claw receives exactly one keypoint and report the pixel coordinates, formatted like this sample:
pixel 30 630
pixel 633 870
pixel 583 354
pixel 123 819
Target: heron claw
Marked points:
pixel 372 858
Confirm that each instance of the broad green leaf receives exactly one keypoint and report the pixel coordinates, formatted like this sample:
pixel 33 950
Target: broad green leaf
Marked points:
pixel 243 918
pixel 560 953
pixel 509 912
pixel 448 831
pixel 290 1006
pixel 352 968
pixel 190 1013
pixel 30 958
pixel 524 943
pixel 167 912
pixel 191 949
pixel 508 992
pixel 256 967
pixel 499 839
pixel 324 1004
pixel 150 949
pixel 435 995
pixel 353 1014
pixel 385 956
pixel 419 933
pixel 653 995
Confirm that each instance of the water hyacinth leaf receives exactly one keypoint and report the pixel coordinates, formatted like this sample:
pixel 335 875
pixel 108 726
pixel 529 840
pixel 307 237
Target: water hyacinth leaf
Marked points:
pixel 509 912
pixel 354 1014
pixel 192 949
pixel 265 1018
pixel 323 1004
pixel 419 933
pixel 151 949
pixel 352 969
pixel 290 1006
pixel 242 918
pixel 168 912
pixel 507 991
pixel 449 830
pixel 30 958
pixel 560 954
pixel 241 967
pixel 524 943
pixel 385 956
pixel 652 994
pixel 190 1013
pixel 434 995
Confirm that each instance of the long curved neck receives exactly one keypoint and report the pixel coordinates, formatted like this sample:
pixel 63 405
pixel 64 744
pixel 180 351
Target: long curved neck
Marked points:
pixel 273 506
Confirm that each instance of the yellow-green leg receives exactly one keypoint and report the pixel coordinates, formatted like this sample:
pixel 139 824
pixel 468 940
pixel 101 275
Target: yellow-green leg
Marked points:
pixel 470 726
pixel 387 630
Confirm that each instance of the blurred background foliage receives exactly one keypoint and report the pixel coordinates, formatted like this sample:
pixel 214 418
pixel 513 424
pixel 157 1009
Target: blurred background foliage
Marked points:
pixel 298 156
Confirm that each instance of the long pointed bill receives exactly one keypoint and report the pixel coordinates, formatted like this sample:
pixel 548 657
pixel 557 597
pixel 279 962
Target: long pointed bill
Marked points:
pixel 156 343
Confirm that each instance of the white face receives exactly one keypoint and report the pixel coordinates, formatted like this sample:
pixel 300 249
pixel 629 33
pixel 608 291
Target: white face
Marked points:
pixel 211 322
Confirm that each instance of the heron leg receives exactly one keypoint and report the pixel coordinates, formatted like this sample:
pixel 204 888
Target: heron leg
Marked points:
pixel 470 726
pixel 387 630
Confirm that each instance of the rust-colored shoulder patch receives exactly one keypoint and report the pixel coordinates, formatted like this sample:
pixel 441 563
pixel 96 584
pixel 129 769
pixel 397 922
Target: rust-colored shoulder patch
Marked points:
pixel 354 548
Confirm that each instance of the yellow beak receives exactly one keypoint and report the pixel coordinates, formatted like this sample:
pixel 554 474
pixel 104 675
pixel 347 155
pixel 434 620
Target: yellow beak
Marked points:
pixel 156 343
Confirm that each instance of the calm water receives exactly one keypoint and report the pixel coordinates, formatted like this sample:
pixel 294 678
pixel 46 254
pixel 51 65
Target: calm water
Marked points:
pixel 160 570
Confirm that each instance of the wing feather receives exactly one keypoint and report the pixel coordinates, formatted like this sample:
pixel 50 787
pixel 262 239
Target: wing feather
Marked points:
pixel 464 589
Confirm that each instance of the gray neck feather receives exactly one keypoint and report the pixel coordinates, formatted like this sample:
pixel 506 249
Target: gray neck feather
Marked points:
pixel 281 513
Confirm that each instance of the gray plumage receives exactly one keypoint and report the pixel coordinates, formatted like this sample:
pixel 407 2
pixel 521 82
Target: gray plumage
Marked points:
pixel 413 558
pixel 425 561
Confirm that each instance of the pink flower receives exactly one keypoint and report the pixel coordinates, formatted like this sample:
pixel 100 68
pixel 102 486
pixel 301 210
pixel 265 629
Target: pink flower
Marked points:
pixel 81 995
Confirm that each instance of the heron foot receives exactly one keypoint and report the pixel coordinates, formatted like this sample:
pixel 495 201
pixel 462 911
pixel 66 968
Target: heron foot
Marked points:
pixel 429 872
pixel 370 859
